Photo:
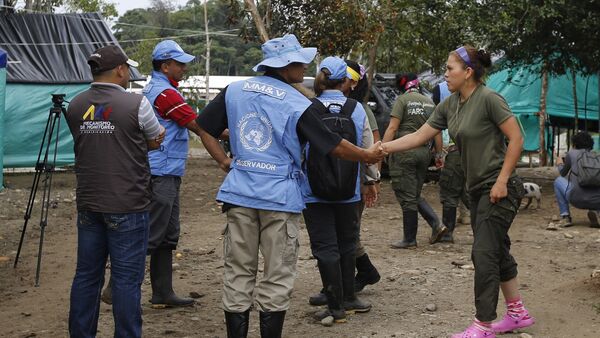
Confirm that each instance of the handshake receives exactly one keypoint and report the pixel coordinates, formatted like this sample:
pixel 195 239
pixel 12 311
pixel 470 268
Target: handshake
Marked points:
pixel 375 153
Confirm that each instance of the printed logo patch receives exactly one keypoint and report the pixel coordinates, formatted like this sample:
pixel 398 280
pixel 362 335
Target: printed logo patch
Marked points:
pixel 251 86
pixel 256 132
pixel 415 108
pixel 95 121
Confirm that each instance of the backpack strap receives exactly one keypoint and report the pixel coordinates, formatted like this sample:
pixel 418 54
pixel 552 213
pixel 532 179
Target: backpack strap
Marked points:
pixel 321 109
pixel 348 107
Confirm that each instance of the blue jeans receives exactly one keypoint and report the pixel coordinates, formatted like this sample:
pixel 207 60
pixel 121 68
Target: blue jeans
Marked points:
pixel 125 238
pixel 561 190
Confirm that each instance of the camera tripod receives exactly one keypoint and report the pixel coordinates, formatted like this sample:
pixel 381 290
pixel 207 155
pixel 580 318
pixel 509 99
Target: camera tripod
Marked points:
pixel 45 166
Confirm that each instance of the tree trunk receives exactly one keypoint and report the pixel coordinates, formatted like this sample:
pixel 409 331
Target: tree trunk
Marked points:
pixel 574 76
pixel 207 54
pixel 542 116
pixel 29 4
pixel 372 60
pixel 260 26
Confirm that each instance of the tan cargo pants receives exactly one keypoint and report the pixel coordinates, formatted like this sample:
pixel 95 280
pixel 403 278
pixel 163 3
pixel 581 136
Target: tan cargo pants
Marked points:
pixel 275 234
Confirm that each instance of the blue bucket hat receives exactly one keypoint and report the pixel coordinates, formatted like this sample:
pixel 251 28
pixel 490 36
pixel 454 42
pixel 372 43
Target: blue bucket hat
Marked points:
pixel 169 49
pixel 336 67
pixel 280 52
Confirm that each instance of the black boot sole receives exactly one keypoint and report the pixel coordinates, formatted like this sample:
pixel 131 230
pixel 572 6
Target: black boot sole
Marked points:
pixel 160 306
pixel 438 235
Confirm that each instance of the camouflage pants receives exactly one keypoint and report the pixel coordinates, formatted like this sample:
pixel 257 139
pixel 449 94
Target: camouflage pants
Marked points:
pixel 408 170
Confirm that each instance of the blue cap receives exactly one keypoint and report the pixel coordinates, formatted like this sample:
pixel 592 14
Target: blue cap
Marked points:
pixel 336 66
pixel 280 52
pixel 169 49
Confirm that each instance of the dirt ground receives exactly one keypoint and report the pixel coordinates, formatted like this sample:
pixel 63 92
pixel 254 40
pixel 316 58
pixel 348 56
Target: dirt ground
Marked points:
pixel 555 270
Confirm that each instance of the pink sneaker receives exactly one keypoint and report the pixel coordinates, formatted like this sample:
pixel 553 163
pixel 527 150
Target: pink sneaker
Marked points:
pixel 474 332
pixel 509 323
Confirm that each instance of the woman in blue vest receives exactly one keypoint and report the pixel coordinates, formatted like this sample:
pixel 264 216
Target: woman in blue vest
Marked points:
pixel 333 226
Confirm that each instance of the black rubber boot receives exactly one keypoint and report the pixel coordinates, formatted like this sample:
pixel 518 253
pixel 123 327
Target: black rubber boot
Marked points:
pixel 318 299
pixel 161 277
pixel 449 219
pixel 366 274
pixel 410 220
pixel 271 324
pixel 331 274
pixel 237 324
pixel 351 303
pixel 437 229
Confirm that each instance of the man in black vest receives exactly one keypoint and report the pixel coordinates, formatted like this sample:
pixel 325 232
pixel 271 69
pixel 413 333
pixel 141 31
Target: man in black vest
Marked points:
pixel 113 131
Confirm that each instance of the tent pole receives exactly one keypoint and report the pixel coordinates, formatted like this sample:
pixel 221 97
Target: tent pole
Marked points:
pixel 574 80
pixel 542 118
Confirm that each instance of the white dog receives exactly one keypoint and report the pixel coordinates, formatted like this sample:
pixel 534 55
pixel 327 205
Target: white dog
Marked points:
pixel 533 191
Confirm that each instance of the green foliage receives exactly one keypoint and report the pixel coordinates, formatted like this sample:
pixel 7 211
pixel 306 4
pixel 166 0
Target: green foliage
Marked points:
pixel 563 34
pixel 410 35
pixel 106 8
pixel 229 55
pixel 334 26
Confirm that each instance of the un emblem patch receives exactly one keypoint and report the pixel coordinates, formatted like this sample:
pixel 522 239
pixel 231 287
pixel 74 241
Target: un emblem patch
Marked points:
pixel 256 132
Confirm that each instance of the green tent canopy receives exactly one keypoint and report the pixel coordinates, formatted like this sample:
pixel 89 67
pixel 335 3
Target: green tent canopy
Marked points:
pixel 48 55
pixel 522 89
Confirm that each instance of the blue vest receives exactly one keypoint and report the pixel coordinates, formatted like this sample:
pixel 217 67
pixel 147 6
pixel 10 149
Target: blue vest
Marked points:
pixel 262 114
pixel 170 159
pixel 444 92
pixel 358 117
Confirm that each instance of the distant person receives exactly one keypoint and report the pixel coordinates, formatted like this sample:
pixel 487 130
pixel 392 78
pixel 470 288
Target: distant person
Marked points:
pixel 408 169
pixel 366 272
pixel 490 144
pixel 269 121
pixel 567 187
pixel 113 131
pixel 452 176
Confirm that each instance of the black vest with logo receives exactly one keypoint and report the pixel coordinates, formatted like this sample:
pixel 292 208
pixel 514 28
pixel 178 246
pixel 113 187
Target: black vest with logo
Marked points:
pixel 111 154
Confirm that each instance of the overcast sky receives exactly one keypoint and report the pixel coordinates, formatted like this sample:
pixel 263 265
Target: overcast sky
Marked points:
pixel 123 6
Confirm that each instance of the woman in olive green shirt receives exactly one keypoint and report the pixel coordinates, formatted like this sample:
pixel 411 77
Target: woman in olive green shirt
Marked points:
pixel 480 122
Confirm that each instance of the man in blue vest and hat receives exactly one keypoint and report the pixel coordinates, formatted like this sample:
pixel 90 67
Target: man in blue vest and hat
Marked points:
pixel 268 121
pixel 167 166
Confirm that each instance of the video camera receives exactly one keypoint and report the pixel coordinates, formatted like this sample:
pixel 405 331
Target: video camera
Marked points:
pixel 58 99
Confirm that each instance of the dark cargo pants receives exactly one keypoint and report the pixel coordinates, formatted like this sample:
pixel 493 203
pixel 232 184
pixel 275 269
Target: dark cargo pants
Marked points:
pixel 491 245
pixel 333 229
pixel 408 170
pixel 452 182
pixel 164 213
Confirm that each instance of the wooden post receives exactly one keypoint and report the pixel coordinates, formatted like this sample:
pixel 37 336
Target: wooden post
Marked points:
pixel 260 26
pixel 207 54
pixel 372 60
pixel 574 76
pixel 542 118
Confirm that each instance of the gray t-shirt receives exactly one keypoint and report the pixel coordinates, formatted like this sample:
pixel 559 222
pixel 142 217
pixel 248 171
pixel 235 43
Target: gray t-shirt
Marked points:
pixel 474 125
pixel 580 197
